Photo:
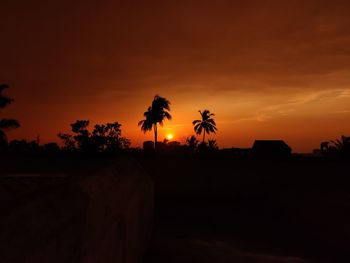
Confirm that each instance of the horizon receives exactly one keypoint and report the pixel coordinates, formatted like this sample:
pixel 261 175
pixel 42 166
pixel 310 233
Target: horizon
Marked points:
pixel 262 72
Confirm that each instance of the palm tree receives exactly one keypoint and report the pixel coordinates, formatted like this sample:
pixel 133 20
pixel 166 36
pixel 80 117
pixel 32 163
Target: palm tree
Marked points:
pixel 6 124
pixel 342 145
pixel 157 113
pixel 192 143
pixel 213 145
pixel 206 124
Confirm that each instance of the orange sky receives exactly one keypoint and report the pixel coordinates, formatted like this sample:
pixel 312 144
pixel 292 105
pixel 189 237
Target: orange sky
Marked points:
pixel 267 69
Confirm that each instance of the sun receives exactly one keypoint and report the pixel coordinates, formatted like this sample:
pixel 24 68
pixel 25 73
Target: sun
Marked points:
pixel 169 136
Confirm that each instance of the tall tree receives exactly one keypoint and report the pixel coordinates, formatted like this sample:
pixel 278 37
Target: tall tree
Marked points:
pixel 156 114
pixel 205 125
pixel 6 124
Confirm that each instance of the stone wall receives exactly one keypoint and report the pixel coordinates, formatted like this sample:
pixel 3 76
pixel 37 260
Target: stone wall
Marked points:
pixel 100 214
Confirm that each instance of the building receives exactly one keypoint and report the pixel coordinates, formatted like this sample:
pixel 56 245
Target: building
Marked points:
pixel 271 148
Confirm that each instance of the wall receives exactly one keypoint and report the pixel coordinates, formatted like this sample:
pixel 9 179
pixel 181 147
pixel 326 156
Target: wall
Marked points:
pixel 99 213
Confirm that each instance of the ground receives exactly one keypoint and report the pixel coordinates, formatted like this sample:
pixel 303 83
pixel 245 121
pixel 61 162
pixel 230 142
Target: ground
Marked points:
pixel 250 210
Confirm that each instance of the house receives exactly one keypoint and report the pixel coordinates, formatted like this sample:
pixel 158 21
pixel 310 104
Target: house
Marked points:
pixel 271 148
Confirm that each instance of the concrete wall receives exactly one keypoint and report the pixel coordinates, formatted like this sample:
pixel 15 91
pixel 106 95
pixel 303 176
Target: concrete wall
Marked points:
pixel 88 215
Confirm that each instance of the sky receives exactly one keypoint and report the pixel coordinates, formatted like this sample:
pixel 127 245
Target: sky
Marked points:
pixel 267 69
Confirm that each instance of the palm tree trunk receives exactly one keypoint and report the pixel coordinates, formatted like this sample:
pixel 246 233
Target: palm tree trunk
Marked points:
pixel 155 136
pixel 203 137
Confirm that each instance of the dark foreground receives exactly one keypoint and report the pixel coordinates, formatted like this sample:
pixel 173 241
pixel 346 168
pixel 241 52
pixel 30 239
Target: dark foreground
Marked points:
pixel 230 210
pixel 207 209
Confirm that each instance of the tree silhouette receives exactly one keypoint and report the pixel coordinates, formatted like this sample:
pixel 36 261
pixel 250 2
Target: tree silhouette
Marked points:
pixel 105 138
pixel 6 124
pixel 82 135
pixel 324 147
pixel 206 124
pixel 68 141
pixel 108 137
pixel 147 123
pixel 213 145
pixel 156 113
pixel 342 145
pixel 192 143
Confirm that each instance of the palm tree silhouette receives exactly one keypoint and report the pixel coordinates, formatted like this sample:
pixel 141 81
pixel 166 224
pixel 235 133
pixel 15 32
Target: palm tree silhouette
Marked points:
pixel 6 124
pixel 342 145
pixel 192 143
pixel 213 145
pixel 157 113
pixel 206 124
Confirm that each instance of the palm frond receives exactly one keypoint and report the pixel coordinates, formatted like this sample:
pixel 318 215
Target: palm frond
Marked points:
pixel 167 115
pixel 211 121
pixel 140 123
pixel 198 130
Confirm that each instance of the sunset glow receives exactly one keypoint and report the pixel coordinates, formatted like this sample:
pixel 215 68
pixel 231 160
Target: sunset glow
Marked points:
pixel 170 136
pixel 268 70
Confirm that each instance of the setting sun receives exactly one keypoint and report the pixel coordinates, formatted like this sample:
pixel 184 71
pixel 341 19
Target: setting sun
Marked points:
pixel 169 136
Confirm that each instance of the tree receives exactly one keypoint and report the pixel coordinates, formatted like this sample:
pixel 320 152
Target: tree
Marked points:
pixel 192 143
pixel 342 145
pixel 155 114
pixel 324 147
pixel 108 137
pixel 6 124
pixel 51 148
pixel 24 147
pixel 68 141
pixel 82 135
pixel 105 138
pixel 213 145
pixel 206 124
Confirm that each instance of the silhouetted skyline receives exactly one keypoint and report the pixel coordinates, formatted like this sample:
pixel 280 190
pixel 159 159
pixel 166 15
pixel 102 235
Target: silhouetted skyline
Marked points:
pixel 267 69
